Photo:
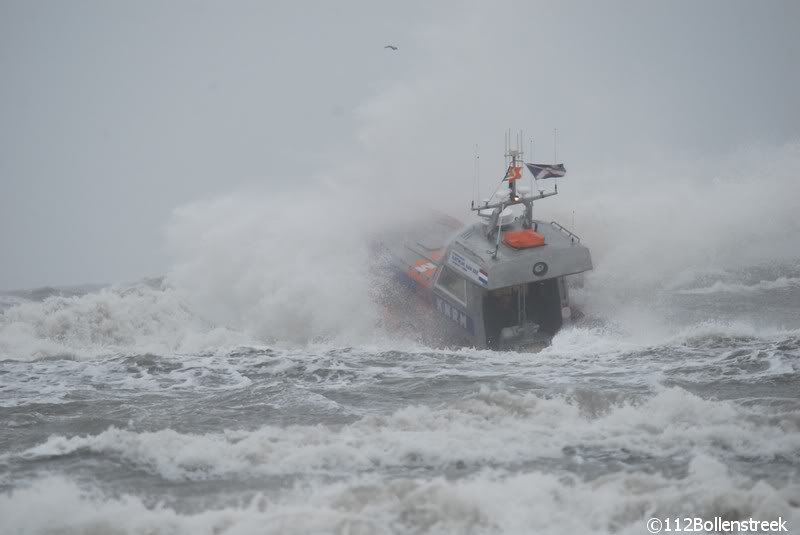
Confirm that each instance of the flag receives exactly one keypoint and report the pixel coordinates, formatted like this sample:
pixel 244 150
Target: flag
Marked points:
pixel 540 170
pixel 513 173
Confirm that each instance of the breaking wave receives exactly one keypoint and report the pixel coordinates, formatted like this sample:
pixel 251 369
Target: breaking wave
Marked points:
pixel 479 431
pixel 781 283
pixel 274 269
pixel 115 320
pixel 514 474
pixel 489 502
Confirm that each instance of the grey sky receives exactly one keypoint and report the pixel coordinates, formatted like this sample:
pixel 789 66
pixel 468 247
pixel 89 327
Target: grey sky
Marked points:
pixel 113 113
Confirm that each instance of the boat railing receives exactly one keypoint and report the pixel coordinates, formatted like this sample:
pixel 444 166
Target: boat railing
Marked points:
pixel 574 237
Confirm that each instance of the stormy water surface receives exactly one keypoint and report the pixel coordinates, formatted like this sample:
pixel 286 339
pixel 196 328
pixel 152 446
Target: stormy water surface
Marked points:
pixel 126 413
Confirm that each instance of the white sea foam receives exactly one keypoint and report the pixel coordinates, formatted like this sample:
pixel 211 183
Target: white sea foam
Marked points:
pixel 276 268
pixel 135 319
pixel 487 502
pixel 781 283
pixel 493 427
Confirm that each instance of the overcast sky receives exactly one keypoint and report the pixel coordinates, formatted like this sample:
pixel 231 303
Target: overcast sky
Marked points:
pixel 114 113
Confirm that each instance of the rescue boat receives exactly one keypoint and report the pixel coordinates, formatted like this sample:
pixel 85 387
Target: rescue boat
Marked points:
pixel 500 282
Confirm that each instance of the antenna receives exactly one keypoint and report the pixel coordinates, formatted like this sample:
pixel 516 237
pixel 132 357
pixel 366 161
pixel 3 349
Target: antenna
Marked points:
pixel 474 175
pixel 555 145
pixel 533 178
pixel 477 185
pixel 514 163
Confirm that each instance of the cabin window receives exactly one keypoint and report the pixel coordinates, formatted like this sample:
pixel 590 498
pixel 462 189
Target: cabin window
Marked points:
pixel 453 285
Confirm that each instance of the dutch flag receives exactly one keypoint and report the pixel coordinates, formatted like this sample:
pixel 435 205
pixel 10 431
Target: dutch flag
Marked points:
pixel 483 277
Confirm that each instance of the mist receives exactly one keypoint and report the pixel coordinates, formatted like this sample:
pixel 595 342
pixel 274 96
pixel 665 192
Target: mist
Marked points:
pixel 118 118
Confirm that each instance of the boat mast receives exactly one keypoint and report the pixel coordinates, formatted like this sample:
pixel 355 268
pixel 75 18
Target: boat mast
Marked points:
pixel 514 161
pixel 514 165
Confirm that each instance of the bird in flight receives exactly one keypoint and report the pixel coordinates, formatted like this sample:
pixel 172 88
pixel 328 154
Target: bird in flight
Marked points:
pixel 391 46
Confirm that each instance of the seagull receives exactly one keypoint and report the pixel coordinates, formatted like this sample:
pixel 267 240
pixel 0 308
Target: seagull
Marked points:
pixel 391 46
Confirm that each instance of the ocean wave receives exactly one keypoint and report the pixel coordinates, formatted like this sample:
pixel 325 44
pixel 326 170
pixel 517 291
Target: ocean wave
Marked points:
pixel 117 320
pixel 494 427
pixel 781 283
pixel 487 502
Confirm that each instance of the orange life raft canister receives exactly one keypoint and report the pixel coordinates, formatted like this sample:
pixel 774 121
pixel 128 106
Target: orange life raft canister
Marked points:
pixel 523 239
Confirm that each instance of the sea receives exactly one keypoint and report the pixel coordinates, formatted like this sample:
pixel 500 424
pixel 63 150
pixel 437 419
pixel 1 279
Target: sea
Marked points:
pixel 130 409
